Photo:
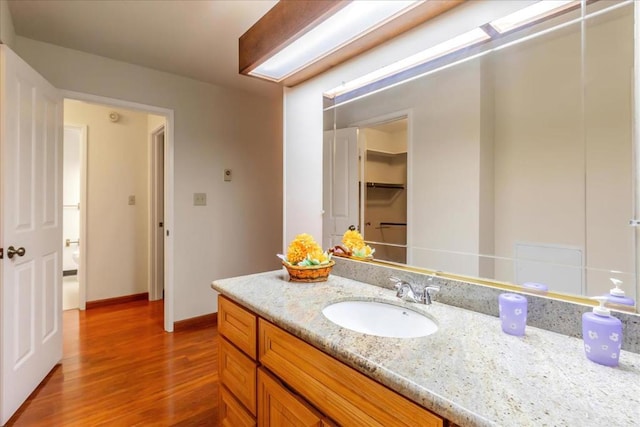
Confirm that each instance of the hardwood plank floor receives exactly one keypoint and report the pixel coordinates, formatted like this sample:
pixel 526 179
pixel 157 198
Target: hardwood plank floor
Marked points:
pixel 120 368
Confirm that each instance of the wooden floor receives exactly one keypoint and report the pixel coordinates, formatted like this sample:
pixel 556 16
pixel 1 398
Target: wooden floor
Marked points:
pixel 121 369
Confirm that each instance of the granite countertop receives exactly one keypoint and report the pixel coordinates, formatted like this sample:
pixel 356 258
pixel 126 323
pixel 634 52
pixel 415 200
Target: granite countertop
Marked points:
pixel 469 371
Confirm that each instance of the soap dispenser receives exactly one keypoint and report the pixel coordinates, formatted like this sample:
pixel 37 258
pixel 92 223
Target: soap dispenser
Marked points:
pixel 617 296
pixel 602 335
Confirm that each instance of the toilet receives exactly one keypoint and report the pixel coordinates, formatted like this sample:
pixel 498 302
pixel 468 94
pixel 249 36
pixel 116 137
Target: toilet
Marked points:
pixel 76 257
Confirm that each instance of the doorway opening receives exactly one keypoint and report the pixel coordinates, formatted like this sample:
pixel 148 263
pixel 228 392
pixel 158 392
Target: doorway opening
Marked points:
pixel 74 196
pixel 384 205
pixel 120 251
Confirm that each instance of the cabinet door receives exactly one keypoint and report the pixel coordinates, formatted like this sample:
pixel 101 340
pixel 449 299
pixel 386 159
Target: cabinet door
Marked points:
pixel 238 373
pixel 278 407
pixel 238 326
pixel 232 413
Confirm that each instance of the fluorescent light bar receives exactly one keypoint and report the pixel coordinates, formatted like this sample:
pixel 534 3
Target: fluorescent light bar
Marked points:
pixel 464 40
pixel 529 14
pixel 349 23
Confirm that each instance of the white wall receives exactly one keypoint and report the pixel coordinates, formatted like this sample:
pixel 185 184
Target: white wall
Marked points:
pixel 7 33
pixel 239 232
pixel 117 167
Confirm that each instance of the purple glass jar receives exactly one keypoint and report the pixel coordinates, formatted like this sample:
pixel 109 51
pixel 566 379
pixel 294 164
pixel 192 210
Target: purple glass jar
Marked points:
pixel 513 313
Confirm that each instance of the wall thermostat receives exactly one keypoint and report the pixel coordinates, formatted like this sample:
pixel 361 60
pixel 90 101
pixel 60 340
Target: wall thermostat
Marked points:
pixel 227 174
pixel 114 117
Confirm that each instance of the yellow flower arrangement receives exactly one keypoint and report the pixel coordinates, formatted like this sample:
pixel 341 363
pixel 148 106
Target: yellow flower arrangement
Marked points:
pixel 304 251
pixel 353 241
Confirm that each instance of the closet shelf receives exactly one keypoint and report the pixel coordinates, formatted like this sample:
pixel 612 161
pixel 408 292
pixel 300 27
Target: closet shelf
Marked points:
pixel 385 153
pixel 385 185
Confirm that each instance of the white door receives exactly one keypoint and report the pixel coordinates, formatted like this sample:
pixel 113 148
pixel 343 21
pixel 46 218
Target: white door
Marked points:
pixel 340 163
pixel 31 212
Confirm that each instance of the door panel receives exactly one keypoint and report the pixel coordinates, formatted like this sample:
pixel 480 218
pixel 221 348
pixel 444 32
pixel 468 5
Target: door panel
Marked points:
pixel 30 212
pixel 341 201
pixel 51 148
pixel 50 296
pixel 23 323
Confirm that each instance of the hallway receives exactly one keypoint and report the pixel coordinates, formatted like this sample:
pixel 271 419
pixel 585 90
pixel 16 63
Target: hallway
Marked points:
pixel 120 368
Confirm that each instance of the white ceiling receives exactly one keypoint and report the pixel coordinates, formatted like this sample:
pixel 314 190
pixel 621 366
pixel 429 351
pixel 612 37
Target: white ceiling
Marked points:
pixel 191 38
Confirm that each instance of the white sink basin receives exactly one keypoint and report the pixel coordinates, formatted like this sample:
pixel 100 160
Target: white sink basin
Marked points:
pixel 380 319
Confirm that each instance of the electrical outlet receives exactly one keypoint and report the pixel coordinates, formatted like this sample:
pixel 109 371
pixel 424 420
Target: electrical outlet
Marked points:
pixel 199 199
pixel 227 174
pixel 132 200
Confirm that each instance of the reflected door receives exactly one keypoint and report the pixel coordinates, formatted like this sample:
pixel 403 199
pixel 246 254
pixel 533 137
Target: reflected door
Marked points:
pixel 341 201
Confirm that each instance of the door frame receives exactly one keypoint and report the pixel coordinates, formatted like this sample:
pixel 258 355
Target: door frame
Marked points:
pixel 155 288
pixel 168 114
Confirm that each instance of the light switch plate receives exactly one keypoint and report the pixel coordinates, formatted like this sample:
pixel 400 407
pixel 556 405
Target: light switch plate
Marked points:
pixel 199 199
pixel 132 200
pixel 227 174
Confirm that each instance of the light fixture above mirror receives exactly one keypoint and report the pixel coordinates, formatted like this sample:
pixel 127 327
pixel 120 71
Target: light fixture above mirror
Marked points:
pixel 297 40
pixel 529 15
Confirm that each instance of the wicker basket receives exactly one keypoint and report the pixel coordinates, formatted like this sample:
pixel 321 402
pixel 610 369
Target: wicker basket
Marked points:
pixel 316 273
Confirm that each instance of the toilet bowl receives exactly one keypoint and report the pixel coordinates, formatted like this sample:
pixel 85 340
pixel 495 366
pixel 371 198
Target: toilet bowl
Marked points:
pixel 76 257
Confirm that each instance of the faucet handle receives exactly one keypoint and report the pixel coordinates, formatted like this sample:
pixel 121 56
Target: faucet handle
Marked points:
pixel 398 284
pixel 426 295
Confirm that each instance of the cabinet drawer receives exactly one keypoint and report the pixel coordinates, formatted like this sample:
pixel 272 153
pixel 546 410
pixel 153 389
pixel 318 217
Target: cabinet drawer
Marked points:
pixel 237 325
pixel 278 407
pixel 339 391
pixel 238 373
pixel 232 413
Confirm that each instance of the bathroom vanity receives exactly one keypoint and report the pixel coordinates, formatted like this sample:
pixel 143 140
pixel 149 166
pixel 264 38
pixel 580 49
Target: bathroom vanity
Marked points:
pixel 281 357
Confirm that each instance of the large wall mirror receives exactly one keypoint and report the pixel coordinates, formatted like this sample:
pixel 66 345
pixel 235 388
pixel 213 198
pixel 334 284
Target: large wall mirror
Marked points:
pixel 512 160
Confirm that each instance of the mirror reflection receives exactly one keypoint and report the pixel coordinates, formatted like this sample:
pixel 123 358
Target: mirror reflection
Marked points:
pixel 514 165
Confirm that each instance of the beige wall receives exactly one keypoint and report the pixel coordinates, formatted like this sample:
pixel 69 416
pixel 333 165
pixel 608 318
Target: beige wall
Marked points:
pixel 154 122
pixel 7 33
pixel 117 167
pixel 587 181
pixel 240 230
pixel 526 78
pixel 610 240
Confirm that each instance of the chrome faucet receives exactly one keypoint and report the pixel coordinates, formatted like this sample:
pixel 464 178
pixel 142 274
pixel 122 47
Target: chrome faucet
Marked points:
pixel 407 290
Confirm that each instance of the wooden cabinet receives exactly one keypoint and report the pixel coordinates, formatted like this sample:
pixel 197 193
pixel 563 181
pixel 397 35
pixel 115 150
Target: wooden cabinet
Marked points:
pixel 271 378
pixel 232 413
pixel 339 391
pixel 237 365
pixel 278 407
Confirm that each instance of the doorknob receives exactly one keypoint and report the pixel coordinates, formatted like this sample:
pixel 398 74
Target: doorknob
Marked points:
pixel 11 251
